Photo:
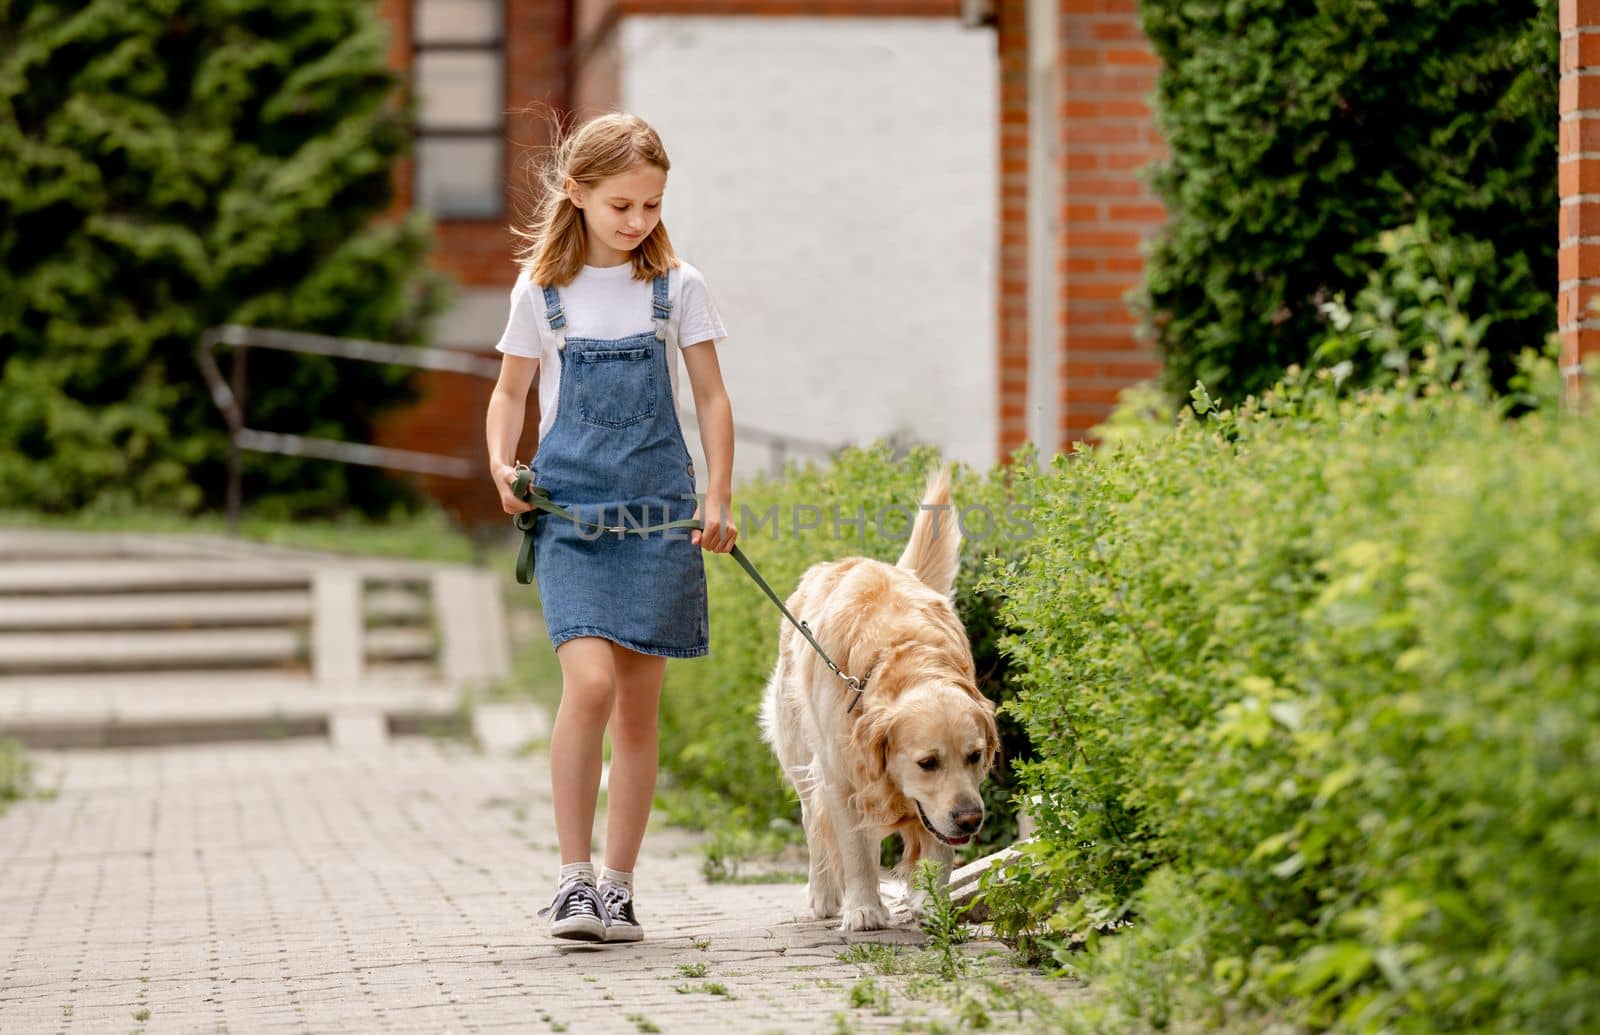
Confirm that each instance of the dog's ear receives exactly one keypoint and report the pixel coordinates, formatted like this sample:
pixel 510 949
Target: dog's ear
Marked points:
pixel 869 765
pixel 991 733
pixel 869 746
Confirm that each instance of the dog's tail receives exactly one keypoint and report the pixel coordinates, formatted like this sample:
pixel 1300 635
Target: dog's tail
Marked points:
pixel 934 549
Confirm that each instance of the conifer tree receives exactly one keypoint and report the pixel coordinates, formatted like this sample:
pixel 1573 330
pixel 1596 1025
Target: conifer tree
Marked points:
pixel 169 165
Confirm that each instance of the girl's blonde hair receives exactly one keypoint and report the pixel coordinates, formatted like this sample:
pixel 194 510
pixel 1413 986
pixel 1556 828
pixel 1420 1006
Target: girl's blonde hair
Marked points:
pixel 553 244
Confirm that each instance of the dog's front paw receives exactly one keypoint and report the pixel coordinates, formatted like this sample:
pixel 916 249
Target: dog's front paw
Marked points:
pixel 824 899
pixel 871 917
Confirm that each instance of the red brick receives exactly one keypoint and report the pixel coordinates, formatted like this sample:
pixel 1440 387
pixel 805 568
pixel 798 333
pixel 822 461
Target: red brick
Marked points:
pixel 1089 133
pixel 1131 57
pixel 1101 344
pixel 1132 372
pixel 1084 314
pixel 1578 261
pixel 1579 176
pixel 1116 29
pixel 1580 134
pixel 1575 304
pixel 1077 394
pixel 1127 81
pixel 1579 344
pixel 1104 238
pixel 1105 107
pixel 1580 91
pixel 1579 219
pixel 1580 51
pixel 1579 13
pixel 1105 186
pixel 1128 161
pixel 1137 213
pixel 1103 291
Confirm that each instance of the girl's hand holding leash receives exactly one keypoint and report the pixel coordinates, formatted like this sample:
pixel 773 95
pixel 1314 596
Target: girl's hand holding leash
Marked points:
pixel 504 476
pixel 719 533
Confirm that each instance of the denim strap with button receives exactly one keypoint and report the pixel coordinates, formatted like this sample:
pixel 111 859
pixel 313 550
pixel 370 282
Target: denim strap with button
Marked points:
pixel 554 316
pixel 660 308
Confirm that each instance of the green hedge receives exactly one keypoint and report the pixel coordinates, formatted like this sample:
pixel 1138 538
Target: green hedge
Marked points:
pixel 722 774
pixel 1298 133
pixel 173 165
pixel 1314 682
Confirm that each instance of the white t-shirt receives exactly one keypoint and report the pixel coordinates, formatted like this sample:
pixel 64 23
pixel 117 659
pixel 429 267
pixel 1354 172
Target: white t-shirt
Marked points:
pixel 605 302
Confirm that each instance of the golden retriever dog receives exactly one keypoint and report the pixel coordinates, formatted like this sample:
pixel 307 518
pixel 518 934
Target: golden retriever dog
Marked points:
pixel 908 759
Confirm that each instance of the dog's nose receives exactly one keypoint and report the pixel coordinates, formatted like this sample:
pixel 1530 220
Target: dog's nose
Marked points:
pixel 967 820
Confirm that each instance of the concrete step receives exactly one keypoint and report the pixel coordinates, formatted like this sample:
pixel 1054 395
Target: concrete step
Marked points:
pixel 55 712
pixel 88 651
pixel 400 672
pixel 397 605
pixel 79 651
pixel 121 611
pixel 33 544
pixel 84 576
pixel 399 643
pixel 130 639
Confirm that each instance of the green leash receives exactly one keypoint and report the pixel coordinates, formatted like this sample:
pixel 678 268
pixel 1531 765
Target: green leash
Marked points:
pixel 524 489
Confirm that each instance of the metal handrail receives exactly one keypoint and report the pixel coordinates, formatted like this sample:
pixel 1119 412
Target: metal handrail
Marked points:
pixel 229 399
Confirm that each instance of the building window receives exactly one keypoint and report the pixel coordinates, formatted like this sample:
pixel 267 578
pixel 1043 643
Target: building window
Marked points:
pixel 458 68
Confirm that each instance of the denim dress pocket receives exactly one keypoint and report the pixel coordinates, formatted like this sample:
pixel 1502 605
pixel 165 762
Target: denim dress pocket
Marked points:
pixel 615 388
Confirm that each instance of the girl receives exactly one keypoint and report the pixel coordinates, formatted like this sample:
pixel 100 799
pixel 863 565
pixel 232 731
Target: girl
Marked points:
pixel 599 312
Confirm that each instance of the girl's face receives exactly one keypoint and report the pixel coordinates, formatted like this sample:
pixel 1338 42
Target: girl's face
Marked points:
pixel 620 212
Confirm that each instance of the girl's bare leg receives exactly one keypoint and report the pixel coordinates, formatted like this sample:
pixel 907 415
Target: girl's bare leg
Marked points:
pixel 635 754
pixel 588 690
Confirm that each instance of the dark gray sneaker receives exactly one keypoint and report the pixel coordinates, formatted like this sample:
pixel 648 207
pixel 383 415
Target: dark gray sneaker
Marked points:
pixel 624 926
pixel 578 913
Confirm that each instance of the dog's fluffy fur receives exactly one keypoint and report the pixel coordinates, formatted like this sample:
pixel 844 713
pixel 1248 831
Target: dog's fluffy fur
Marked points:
pixel 910 757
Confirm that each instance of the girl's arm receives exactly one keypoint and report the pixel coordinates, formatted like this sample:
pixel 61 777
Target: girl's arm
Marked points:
pixel 714 414
pixel 503 425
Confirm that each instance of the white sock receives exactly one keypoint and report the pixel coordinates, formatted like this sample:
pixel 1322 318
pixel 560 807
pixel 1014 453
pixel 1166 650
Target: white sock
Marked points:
pixel 583 871
pixel 610 876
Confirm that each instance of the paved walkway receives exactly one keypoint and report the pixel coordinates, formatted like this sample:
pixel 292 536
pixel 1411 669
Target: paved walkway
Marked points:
pixel 287 886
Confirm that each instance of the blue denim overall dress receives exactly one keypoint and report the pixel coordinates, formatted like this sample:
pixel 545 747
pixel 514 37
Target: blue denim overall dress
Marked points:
pixel 615 456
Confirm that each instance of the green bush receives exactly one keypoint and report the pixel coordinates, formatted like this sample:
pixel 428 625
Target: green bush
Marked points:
pixel 722 772
pixel 1420 297
pixel 174 164
pixel 1312 685
pixel 1299 133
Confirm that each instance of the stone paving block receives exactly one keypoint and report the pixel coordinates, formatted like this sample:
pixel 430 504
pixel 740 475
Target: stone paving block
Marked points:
pixel 289 886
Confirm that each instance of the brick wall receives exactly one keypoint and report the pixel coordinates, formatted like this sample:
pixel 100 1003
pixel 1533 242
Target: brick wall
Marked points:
pixel 1580 188
pixel 1011 316
pixel 1106 134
